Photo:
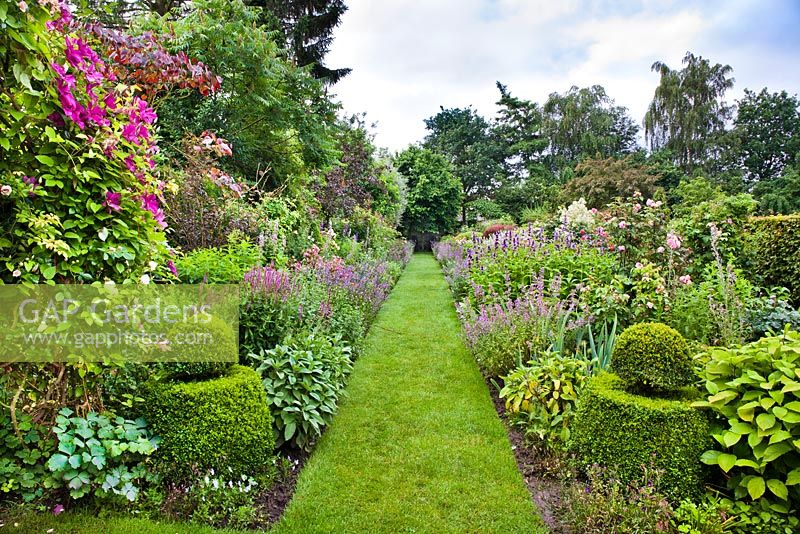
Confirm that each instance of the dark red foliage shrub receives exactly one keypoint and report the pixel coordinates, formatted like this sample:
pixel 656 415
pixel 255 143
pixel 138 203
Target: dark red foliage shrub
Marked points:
pixel 495 228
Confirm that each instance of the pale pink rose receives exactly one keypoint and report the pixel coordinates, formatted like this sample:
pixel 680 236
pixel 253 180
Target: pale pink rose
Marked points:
pixel 22 6
pixel 623 224
pixel 660 250
pixel 685 279
pixel 673 241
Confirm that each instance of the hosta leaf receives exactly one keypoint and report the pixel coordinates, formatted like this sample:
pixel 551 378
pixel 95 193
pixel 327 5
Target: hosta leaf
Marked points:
pixel 746 411
pixel 726 461
pixel 710 457
pixel 723 397
pixel 741 428
pixel 780 412
pixel 731 438
pixel 780 435
pixel 288 432
pixel 778 488
pixel 756 487
pixel 765 421
pixel 776 451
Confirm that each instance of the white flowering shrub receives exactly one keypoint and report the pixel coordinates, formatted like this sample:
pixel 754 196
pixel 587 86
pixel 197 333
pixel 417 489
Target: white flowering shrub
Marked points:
pixel 577 215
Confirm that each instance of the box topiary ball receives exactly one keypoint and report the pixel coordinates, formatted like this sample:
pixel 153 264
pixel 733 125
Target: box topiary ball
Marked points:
pixel 652 357
pixel 201 349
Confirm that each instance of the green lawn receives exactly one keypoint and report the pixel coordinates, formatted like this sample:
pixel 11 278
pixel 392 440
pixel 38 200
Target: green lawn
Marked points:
pixel 84 523
pixel 417 446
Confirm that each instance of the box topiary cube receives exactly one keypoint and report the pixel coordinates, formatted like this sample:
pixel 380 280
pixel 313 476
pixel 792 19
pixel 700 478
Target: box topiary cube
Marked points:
pixel 624 431
pixel 219 423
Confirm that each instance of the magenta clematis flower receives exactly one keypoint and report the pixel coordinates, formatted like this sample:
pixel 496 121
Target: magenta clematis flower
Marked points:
pixel 129 132
pixel 151 204
pixel 144 110
pixel 110 101
pixel 130 164
pixel 73 51
pixel 97 115
pixel 112 202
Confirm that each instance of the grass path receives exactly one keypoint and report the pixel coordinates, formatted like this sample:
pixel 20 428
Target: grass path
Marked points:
pixel 417 446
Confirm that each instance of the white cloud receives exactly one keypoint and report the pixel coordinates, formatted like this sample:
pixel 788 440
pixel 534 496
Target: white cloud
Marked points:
pixel 410 57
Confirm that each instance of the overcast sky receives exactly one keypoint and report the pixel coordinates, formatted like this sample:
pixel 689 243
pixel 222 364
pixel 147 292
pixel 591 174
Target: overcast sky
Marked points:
pixel 411 56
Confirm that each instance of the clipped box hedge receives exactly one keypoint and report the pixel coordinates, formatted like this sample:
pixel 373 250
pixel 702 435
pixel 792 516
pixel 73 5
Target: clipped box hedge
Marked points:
pixel 775 246
pixel 218 423
pixel 624 431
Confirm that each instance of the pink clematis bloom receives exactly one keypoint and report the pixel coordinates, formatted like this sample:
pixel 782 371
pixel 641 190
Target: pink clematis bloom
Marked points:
pixel 112 202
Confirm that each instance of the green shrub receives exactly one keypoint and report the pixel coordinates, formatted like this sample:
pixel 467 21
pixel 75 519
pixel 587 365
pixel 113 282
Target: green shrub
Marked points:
pixel 304 377
pixel 652 357
pixel 758 518
pixel 709 516
pixel 755 392
pixel 775 245
pixel 223 265
pixel 540 397
pixel 219 423
pixel 624 431
pixel 23 470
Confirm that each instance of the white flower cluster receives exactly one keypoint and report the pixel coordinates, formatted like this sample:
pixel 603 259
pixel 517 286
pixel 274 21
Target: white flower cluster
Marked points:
pixel 244 485
pixel 577 215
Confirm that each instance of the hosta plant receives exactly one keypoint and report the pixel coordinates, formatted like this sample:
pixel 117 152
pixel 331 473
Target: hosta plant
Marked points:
pixel 541 396
pixel 96 453
pixel 755 392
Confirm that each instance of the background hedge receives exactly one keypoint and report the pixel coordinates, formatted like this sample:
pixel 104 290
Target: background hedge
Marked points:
pixel 618 429
pixel 775 247
pixel 218 423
